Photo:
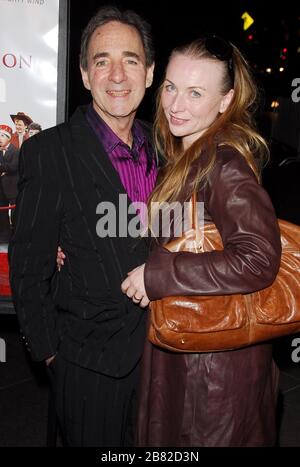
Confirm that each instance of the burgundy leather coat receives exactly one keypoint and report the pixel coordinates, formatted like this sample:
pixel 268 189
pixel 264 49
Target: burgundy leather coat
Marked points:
pixel 222 398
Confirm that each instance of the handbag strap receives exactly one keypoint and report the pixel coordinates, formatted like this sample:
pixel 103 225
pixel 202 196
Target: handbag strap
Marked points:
pixel 195 223
pixel 194 211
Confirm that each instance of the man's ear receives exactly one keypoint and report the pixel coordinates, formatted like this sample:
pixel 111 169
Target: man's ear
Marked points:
pixel 149 75
pixel 85 78
pixel 226 101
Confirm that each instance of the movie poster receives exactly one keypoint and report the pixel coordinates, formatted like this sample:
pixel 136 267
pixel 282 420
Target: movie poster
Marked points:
pixel 28 62
pixel 28 94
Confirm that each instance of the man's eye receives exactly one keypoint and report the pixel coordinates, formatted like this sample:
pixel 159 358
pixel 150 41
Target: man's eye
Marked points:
pixel 101 63
pixel 195 93
pixel 131 62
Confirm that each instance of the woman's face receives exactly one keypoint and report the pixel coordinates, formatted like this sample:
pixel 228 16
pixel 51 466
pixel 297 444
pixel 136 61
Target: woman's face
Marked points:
pixel 191 96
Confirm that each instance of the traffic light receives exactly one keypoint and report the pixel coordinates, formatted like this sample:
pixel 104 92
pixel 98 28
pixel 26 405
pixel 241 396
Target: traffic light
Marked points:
pixel 283 53
pixel 248 20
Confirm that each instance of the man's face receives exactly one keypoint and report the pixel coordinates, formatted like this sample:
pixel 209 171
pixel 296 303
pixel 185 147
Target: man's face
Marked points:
pixel 32 132
pixel 20 126
pixel 116 74
pixel 4 140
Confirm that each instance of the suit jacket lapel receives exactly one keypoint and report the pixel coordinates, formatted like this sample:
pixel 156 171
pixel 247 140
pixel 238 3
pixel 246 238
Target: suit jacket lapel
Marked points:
pixel 93 156
pixel 86 146
pixel 91 153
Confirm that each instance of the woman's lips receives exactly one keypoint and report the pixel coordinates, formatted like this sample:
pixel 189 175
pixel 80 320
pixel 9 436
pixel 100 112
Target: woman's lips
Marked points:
pixel 177 121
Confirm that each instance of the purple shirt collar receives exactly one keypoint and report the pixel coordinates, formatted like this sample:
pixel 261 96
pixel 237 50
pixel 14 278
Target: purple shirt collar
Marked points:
pixel 108 138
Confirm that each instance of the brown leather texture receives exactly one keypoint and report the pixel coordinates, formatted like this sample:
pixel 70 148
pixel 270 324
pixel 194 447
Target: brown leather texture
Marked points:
pixel 225 322
pixel 220 398
pixel 242 211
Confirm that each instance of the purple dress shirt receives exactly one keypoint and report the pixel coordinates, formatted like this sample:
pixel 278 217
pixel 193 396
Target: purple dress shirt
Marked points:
pixel 136 166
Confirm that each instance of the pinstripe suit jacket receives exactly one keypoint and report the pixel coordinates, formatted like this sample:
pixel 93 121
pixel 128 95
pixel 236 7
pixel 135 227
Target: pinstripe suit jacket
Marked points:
pixel 81 311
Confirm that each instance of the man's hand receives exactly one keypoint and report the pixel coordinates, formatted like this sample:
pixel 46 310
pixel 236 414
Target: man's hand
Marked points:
pixel 134 286
pixel 50 360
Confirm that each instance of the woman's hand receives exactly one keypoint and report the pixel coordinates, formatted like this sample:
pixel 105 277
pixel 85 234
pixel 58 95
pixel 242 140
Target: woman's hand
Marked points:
pixel 134 286
pixel 60 258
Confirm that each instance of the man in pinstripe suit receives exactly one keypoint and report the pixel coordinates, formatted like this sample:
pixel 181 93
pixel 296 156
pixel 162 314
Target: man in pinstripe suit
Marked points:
pixel 78 321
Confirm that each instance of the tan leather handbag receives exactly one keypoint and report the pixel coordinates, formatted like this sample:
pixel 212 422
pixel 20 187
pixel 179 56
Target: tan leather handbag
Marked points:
pixel 215 323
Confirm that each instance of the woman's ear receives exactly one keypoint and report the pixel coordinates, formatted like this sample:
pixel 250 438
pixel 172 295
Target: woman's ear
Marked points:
pixel 226 101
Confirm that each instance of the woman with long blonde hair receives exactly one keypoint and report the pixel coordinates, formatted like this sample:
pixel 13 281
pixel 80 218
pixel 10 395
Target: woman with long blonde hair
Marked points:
pixel 204 128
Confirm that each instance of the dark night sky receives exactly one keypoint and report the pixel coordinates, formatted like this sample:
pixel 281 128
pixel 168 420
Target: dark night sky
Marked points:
pixel 274 27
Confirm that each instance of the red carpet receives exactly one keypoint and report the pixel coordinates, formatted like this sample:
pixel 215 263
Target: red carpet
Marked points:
pixel 4 282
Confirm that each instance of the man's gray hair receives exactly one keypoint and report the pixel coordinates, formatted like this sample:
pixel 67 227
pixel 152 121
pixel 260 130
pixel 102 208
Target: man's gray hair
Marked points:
pixel 110 13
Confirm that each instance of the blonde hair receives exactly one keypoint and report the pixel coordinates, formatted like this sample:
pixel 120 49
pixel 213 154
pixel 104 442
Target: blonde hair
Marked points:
pixel 235 127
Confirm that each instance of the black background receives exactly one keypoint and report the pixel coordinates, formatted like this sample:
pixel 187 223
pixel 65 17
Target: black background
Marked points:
pixel 275 26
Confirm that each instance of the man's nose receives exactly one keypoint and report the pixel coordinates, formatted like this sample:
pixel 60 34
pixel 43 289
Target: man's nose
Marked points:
pixel 117 73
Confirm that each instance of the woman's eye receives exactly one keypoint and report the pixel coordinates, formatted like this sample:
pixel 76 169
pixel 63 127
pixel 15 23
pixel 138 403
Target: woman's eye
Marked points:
pixel 169 87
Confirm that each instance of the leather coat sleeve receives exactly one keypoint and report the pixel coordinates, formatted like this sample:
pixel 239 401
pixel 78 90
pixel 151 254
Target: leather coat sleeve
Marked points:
pixel 245 218
pixel 32 250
